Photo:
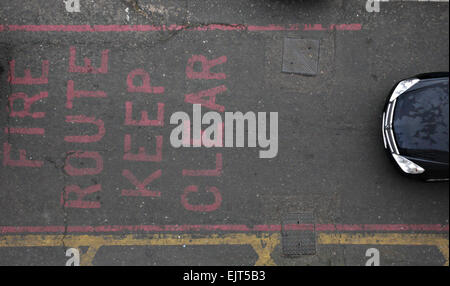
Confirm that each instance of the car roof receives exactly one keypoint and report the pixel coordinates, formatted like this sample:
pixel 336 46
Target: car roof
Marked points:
pixel 421 120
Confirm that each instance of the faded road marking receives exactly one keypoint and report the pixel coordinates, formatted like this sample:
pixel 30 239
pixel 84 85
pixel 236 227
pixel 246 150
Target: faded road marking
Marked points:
pixel 174 27
pixel 224 227
pixel 263 244
pixel 410 239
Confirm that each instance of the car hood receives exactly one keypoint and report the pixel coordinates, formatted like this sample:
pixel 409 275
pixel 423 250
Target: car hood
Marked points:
pixel 421 120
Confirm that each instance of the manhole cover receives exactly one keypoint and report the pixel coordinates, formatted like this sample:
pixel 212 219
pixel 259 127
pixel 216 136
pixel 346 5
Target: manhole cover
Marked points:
pixel 301 56
pixel 298 234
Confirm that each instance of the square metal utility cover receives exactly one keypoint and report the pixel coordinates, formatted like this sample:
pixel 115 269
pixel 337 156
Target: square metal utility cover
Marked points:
pixel 298 234
pixel 301 56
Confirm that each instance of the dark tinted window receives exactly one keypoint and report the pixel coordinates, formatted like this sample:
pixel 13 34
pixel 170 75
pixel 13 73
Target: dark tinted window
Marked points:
pixel 421 122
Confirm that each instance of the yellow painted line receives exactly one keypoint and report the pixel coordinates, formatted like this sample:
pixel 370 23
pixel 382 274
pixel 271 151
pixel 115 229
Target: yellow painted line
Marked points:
pixel 438 240
pixel 263 243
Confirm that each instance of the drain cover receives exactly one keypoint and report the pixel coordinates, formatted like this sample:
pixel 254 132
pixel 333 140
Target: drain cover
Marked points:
pixel 301 56
pixel 298 234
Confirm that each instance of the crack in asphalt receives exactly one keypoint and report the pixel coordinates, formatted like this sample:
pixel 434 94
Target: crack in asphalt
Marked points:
pixel 61 169
pixel 186 24
pixel 65 211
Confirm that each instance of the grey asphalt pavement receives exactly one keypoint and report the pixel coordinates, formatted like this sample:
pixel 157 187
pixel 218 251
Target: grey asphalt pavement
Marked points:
pixel 330 161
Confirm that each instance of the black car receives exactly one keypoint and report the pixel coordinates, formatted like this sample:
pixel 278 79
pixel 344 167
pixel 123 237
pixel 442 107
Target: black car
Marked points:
pixel 415 126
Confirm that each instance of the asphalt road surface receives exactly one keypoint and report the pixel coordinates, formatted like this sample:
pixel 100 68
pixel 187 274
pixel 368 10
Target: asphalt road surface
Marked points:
pixel 95 177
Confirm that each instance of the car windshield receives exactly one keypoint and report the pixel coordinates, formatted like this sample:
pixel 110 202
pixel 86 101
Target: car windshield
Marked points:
pixel 421 122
